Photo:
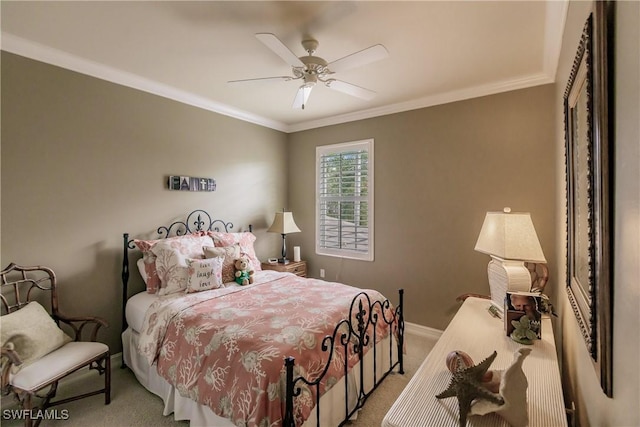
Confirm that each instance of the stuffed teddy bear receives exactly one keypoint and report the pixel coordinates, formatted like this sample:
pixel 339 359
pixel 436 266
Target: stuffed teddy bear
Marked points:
pixel 244 274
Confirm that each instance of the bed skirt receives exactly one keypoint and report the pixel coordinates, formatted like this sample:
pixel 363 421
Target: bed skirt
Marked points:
pixel 332 402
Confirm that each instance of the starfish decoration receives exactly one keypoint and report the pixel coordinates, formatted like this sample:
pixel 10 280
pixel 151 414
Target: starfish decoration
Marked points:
pixel 466 385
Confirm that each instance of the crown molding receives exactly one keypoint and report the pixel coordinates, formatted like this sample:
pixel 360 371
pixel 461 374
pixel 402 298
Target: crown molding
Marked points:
pixel 39 52
pixel 429 101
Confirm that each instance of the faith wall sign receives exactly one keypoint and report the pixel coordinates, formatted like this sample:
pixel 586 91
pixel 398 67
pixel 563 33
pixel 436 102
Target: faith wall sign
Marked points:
pixel 190 183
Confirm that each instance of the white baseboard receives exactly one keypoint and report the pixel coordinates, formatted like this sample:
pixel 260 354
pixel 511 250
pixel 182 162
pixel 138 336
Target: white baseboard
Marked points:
pixel 422 331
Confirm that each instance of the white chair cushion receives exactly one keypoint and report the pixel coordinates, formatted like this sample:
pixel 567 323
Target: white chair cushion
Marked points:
pixel 57 364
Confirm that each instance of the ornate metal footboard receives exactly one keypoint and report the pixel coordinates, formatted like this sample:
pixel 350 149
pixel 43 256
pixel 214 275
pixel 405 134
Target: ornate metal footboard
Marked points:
pixel 356 337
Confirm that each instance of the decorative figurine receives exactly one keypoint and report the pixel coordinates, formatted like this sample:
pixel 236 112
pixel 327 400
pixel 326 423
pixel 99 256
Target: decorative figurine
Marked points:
pixel 466 385
pixel 523 333
pixel 513 389
pixel 475 387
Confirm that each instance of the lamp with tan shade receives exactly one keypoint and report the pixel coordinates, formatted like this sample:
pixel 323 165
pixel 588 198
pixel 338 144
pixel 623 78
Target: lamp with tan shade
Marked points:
pixel 511 240
pixel 283 224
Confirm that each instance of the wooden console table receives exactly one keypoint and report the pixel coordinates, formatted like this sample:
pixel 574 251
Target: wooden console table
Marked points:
pixel 474 331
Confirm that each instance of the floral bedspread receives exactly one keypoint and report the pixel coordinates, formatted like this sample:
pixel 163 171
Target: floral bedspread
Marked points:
pixel 225 348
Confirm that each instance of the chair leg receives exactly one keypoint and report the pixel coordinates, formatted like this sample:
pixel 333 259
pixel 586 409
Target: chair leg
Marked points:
pixel 26 406
pixel 50 395
pixel 107 380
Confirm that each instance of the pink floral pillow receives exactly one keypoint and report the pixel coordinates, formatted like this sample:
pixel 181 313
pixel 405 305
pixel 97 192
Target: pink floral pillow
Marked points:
pixel 204 274
pixel 152 280
pixel 171 260
pixel 230 254
pixel 245 240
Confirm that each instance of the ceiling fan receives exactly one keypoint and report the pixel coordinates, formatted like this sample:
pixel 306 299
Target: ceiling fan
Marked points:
pixel 312 69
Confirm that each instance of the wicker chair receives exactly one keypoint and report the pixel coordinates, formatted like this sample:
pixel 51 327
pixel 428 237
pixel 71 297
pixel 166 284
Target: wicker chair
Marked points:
pixel 21 286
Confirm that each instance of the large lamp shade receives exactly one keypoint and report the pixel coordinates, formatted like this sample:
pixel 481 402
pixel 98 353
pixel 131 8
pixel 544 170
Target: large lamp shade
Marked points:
pixel 283 223
pixel 510 236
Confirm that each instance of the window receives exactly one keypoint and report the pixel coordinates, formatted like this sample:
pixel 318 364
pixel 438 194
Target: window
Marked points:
pixel 344 200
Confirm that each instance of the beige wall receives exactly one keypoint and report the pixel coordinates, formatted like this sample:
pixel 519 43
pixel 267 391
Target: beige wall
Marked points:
pixel 84 160
pixel 438 171
pixel 594 408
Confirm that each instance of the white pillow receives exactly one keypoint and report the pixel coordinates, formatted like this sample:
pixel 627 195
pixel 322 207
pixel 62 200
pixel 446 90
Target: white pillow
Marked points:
pixel 142 269
pixel 32 331
pixel 204 274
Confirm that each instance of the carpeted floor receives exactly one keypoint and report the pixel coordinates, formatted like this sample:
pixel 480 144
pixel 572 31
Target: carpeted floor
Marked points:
pixel 132 405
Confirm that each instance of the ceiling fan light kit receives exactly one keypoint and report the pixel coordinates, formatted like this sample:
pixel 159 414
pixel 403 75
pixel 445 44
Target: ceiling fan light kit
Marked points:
pixel 313 69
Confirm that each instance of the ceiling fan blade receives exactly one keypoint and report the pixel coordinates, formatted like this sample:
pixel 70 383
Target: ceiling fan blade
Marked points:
pixel 263 79
pixel 274 43
pixel 363 57
pixel 302 96
pixel 351 89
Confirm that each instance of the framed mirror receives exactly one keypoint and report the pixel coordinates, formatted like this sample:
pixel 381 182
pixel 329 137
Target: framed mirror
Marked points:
pixel 588 137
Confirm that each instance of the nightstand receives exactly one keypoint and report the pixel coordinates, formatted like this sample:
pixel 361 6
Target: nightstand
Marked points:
pixel 298 268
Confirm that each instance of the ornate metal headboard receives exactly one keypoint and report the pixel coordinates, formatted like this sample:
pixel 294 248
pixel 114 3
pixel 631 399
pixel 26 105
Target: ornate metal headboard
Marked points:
pixel 197 220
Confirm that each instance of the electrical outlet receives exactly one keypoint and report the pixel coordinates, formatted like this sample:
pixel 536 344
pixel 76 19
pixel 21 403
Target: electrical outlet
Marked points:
pixel 322 273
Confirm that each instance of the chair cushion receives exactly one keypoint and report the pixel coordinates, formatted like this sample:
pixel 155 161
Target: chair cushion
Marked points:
pixel 57 364
pixel 32 331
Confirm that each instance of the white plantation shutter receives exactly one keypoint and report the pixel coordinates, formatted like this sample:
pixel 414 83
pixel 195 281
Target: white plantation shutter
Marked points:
pixel 344 200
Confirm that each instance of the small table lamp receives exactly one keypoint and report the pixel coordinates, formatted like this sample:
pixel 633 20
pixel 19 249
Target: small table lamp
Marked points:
pixel 510 239
pixel 283 224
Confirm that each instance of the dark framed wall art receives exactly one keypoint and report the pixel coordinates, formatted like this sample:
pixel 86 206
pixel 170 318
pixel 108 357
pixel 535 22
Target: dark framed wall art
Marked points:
pixel 588 118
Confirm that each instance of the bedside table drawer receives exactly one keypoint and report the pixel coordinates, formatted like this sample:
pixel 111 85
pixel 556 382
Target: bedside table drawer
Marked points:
pixel 298 268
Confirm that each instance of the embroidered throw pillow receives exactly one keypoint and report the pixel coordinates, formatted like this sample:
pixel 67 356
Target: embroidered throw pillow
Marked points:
pixel 204 274
pixel 230 254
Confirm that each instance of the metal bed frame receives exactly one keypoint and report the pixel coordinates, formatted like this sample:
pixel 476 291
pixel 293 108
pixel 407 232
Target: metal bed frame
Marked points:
pixel 346 335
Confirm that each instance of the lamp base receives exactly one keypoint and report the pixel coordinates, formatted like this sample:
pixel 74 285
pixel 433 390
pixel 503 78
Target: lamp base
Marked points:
pixel 507 275
pixel 283 261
